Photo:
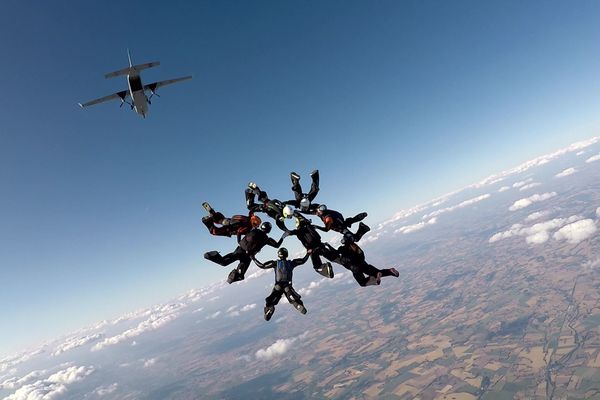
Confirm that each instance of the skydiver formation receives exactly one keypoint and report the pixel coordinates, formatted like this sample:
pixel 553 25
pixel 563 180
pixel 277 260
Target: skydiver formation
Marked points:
pixel 253 234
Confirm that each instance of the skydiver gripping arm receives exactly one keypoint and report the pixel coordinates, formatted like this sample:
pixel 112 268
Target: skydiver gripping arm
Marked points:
pixel 267 265
pixel 299 261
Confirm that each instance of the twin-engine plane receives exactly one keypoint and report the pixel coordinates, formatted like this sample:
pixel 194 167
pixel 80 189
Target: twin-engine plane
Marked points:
pixel 137 91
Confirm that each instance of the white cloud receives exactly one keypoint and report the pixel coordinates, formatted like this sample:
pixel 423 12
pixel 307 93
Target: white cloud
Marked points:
pixel 529 186
pixel 248 307
pixel 537 233
pixel 522 183
pixel 593 158
pixel 465 203
pixel 52 387
pixel 580 152
pixel 526 202
pixel 75 342
pixel 503 189
pixel 161 315
pixel 150 362
pixel 566 172
pixel 305 291
pixel 215 315
pixel 230 309
pixel 14 382
pixel 280 347
pixel 415 227
pixel 598 212
pixel 577 231
pixel 536 215
pixel 105 390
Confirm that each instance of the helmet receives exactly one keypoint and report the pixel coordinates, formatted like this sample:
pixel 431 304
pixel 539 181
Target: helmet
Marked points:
pixel 265 227
pixel 322 208
pixel 288 212
pixel 282 253
pixel 225 221
pixel 255 221
pixel 304 203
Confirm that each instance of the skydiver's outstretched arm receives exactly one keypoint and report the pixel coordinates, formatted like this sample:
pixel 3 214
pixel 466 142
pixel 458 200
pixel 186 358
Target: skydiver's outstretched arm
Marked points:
pixel 267 265
pixel 322 228
pixel 299 261
pixel 271 242
pixel 281 225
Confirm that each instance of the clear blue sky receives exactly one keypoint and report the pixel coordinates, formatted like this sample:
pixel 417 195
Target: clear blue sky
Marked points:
pixel 394 101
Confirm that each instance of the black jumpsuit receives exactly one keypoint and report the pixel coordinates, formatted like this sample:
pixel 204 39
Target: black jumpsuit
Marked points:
pixel 272 207
pixel 248 247
pixel 335 221
pixel 352 258
pixel 299 195
pixel 283 282
pixel 311 240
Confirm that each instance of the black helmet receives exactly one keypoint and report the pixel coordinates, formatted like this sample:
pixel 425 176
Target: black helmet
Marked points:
pixel 282 253
pixel 322 208
pixel 265 227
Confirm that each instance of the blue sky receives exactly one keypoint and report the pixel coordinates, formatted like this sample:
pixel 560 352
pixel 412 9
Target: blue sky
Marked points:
pixel 395 103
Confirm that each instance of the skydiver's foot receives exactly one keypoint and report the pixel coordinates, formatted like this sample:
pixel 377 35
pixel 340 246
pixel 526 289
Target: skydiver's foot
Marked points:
pixel 208 208
pixel 395 272
pixel 212 255
pixel 362 230
pixel 294 176
pixel 301 308
pixel 361 216
pixel 327 270
pixel 373 281
pixel 315 173
pixel 269 310
pixel 235 276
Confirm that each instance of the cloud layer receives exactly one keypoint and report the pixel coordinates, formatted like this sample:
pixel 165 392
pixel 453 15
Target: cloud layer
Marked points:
pixel 526 202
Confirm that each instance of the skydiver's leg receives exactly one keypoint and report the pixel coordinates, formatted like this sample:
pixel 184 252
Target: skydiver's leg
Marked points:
pixel 238 273
pixel 390 272
pixel 296 187
pixel 360 278
pixel 272 300
pixel 249 198
pixel 314 187
pixel 362 229
pixel 225 260
pixel 321 268
pixel 352 220
pixel 294 299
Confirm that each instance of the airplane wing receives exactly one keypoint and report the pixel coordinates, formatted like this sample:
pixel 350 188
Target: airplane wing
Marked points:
pixel 155 85
pixel 119 95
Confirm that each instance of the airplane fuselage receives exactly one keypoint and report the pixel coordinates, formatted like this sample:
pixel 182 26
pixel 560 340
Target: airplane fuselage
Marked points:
pixel 138 96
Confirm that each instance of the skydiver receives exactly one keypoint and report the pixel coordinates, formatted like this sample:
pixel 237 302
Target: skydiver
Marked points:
pixel 283 281
pixel 248 247
pixel 311 240
pixel 303 201
pixel 237 225
pixel 272 207
pixel 335 221
pixel 352 258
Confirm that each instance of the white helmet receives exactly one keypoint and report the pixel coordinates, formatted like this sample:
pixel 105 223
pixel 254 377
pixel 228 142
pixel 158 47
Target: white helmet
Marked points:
pixel 288 212
pixel 304 203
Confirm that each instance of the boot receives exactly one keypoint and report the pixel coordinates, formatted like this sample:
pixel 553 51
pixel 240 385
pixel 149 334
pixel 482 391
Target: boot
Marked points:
pixel 212 255
pixel 362 229
pixel 269 310
pixel 301 308
pixel 234 276
pixel 361 216
pixel 295 178
pixel 395 272
pixel 326 270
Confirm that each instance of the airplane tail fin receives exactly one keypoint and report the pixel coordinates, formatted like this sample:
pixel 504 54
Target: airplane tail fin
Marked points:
pixel 132 68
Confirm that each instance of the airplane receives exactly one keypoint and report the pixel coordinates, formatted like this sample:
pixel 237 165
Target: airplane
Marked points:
pixel 137 90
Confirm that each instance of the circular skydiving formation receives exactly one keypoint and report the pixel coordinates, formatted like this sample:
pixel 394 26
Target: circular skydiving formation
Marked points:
pixel 253 234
